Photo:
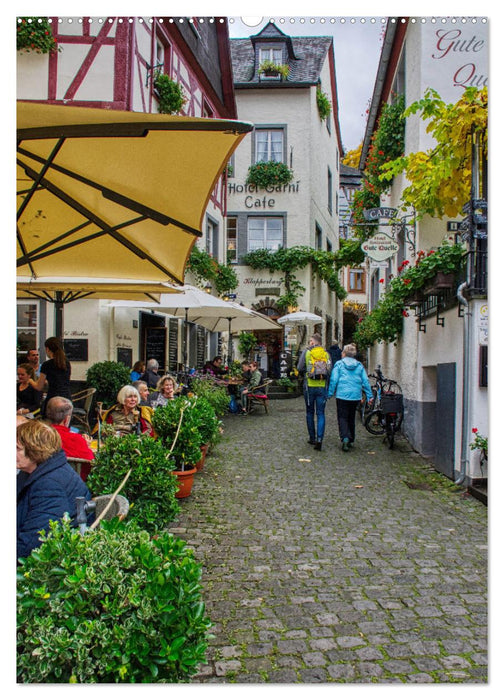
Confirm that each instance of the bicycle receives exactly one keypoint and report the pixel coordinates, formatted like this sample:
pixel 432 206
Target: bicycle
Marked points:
pixel 387 414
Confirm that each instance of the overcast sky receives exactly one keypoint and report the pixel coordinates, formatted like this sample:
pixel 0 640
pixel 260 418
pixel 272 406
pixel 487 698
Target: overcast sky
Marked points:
pixel 357 49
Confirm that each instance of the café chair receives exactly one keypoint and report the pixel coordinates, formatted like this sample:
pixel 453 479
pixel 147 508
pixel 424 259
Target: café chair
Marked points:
pixel 80 414
pixel 259 396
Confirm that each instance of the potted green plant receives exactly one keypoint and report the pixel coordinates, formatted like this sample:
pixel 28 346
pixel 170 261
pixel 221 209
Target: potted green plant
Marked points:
pixel 151 486
pixel 268 174
pixel 246 343
pixel 209 426
pixel 480 443
pixel 270 69
pixel 169 94
pixel 286 383
pixel 107 378
pixel 177 425
pixel 114 605
pixel 217 396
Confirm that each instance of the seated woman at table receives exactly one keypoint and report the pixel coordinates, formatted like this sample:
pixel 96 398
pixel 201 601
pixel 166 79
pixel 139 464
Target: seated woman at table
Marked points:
pixel 27 398
pixel 137 371
pixel 47 486
pixel 253 381
pixel 165 391
pixel 127 416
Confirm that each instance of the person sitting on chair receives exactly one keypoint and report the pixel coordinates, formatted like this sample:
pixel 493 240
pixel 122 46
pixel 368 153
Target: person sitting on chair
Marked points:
pixel 215 367
pixel 47 486
pixel 254 380
pixel 127 416
pixel 59 413
pixel 151 376
pixel 28 399
pixel 165 391
pixel 137 371
pixel 143 390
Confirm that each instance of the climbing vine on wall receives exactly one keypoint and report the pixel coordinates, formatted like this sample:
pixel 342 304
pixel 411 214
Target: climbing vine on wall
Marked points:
pixel 205 268
pixel 325 265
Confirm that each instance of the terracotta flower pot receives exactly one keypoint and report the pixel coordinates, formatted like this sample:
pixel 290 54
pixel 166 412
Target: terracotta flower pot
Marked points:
pixel 185 480
pixel 201 462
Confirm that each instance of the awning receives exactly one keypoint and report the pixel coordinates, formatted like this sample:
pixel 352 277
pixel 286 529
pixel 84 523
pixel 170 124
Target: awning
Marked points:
pixel 114 194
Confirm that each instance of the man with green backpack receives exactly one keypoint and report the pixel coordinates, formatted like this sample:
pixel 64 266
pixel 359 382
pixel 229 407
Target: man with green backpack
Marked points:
pixel 318 370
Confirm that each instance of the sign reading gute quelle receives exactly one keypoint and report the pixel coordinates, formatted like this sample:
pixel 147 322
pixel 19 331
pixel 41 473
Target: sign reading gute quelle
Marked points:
pixel 380 247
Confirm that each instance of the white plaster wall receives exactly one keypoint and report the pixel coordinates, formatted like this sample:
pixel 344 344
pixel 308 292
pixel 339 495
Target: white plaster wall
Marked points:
pixel 32 75
pixel 313 151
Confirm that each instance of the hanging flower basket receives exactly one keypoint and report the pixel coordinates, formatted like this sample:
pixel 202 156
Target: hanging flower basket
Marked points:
pixel 441 280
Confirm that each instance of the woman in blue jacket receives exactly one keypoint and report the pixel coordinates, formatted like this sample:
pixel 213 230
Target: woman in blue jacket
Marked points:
pixel 47 486
pixel 348 380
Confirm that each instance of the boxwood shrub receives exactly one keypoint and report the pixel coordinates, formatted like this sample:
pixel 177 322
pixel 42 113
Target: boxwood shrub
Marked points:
pixel 151 486
pixel 112 606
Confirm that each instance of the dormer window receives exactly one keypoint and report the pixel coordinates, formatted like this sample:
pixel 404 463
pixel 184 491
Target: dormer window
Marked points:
pixel 272 54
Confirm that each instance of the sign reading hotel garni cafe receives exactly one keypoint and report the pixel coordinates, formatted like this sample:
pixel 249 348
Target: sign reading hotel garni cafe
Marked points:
pixel 380 247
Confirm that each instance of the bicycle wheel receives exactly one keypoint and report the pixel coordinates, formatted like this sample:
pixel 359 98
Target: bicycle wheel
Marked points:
pixel 374 423
pixel 390 427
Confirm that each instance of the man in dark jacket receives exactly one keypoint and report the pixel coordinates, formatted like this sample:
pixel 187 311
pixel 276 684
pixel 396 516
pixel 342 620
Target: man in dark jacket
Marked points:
pixel 47 486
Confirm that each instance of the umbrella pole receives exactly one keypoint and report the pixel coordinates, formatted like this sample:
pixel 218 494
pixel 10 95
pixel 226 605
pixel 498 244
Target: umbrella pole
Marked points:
pixel 230 345
pixel 185 342
pixel 58 315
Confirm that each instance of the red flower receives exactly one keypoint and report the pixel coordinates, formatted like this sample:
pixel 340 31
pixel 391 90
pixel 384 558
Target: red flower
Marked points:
pixel 405 313
pixel 382 281
pixel 475 430
pixel 407 281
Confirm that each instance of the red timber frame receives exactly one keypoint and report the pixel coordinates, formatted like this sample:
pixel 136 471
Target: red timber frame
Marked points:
pixel 130 67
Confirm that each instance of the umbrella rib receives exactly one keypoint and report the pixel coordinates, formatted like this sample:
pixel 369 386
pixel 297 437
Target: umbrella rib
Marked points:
pixel 81 209
pixel 23 249
pixel 116 197
pixel 46 164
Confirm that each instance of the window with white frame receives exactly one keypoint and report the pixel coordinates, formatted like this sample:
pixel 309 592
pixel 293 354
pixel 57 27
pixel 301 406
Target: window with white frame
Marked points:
pixel 265 232
pixel 270 53
pixel 269 145
pixel 27 327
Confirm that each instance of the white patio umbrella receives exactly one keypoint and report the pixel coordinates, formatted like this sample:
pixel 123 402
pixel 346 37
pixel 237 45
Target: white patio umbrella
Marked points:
pixel 214 314
pixel 300 317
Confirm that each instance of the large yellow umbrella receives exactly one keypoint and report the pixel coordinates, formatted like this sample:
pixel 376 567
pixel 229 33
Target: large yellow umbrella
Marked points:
pixel 111 194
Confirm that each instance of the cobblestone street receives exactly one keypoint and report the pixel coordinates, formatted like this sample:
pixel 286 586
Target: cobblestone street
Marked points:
pixel 319 567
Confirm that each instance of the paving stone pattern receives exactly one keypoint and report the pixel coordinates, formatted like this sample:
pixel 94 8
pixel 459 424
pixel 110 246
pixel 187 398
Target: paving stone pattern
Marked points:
pixel 320 567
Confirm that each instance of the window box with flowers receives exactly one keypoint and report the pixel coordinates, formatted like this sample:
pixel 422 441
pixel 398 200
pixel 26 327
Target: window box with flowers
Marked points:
pixel 270 69
pixel 384 323
pixel 269 174
pixel 480 443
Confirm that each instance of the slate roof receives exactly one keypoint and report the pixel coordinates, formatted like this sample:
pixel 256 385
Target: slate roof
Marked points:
pixel 304 55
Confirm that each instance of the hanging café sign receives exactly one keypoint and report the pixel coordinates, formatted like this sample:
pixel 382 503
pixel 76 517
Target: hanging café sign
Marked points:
pixel 380 247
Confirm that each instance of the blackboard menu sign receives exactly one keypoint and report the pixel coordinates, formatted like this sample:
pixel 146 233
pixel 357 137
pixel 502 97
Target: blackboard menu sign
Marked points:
pixel 125 355
pixel 200 347
pixel 155 345
pixel 76 349
pixel 173 344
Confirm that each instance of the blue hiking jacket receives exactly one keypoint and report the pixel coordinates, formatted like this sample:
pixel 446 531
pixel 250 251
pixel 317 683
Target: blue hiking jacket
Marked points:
pixel 46 494
pixel 348 379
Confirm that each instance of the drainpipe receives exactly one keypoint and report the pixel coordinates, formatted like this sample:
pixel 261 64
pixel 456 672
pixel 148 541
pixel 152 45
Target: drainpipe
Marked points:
pixel 465 387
